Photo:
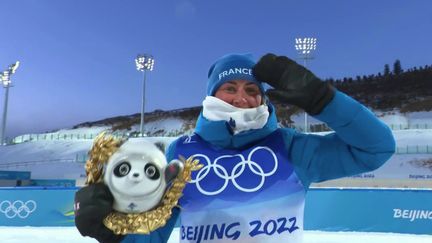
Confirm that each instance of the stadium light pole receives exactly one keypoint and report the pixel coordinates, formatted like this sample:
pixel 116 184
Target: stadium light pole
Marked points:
pixel 144 63
pixel 305 48
pixel 6 81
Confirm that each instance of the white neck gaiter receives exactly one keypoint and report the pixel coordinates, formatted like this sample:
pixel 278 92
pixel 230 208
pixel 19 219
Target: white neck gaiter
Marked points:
pixel 215 109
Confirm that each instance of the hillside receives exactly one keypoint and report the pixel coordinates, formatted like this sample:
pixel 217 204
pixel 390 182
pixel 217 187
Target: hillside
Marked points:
pixel 408 91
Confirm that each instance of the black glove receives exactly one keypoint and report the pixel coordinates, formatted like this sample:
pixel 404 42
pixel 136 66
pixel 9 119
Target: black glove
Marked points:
pixel 293 83
pixel 92 204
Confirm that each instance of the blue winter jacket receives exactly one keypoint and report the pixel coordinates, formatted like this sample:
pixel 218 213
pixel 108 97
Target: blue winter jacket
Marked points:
pixel 360 143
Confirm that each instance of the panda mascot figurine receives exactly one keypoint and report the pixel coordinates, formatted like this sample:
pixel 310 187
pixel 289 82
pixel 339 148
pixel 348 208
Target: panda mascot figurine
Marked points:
pixel 138 174
pixel 145 187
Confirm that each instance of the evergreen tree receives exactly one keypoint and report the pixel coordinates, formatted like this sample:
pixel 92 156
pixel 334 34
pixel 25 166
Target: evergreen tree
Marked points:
pixel 397 68
pixel 386 70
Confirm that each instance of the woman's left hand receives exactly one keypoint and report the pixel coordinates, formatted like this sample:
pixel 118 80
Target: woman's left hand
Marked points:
pixel 293 83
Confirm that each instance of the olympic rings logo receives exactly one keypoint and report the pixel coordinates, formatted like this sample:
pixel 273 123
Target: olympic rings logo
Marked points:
pixel 17 208
pixel 236 172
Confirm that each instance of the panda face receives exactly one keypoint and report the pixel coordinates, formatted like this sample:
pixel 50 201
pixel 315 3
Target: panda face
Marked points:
pixel 135 176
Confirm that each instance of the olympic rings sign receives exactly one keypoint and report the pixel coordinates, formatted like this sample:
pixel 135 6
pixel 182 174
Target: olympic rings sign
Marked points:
pixel 236 172
pixel 17 208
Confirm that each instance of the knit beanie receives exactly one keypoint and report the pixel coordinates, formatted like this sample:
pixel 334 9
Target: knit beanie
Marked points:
pixel 231 67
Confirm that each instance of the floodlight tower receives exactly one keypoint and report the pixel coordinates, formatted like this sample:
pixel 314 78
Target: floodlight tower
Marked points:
pixel 6 81
pixel 144 63
pixel 305 47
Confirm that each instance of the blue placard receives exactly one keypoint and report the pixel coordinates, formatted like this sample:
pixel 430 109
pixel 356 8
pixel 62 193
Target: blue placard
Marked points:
pixel 14 175
pixel 368 210
pixel 53 182
pixel 36 206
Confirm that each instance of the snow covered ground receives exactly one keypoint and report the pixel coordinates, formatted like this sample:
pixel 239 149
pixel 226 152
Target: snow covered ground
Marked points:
pixel 59 159
pixel 64 159
pixel 71 235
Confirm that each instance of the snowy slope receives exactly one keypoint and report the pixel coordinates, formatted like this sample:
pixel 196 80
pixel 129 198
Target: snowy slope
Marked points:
pixel 63 157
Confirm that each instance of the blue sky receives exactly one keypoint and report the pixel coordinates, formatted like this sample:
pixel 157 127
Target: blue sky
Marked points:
pixel 77 57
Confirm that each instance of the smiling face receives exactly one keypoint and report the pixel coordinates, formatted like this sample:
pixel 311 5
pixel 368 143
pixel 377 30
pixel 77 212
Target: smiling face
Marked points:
pixel 135 176
pixel 240 93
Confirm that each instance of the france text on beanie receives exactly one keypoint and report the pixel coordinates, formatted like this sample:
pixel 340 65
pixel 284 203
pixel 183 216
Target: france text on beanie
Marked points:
pixel 231 67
